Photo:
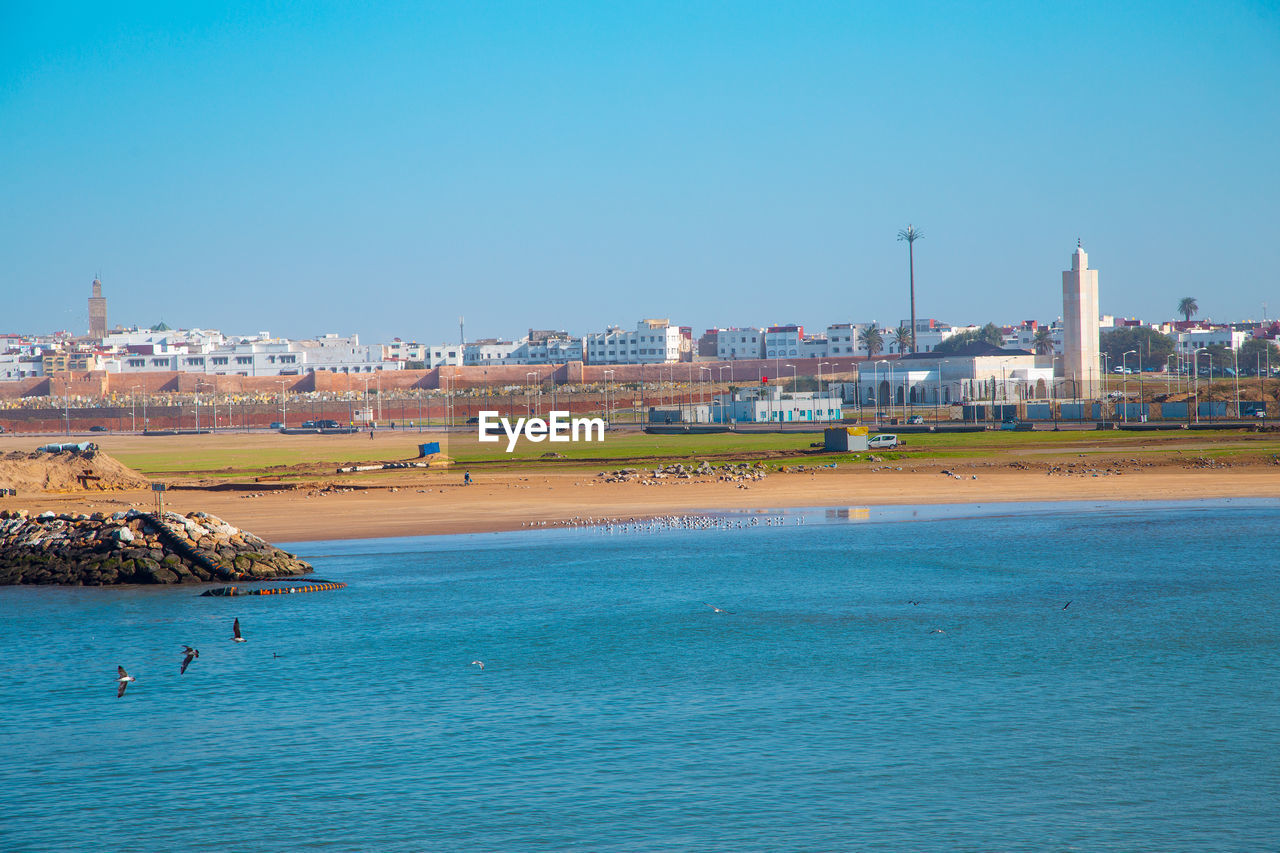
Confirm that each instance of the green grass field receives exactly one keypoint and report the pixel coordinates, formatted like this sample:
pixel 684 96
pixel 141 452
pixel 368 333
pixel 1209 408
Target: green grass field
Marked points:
pixel 306 457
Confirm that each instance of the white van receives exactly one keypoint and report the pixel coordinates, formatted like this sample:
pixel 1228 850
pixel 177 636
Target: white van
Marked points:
pixel 883 441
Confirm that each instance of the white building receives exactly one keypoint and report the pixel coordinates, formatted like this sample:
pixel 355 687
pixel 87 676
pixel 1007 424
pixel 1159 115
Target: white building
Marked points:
pixel 772 405
pixel 444 354
pixel 977 372
pixel 399 350
pixel 260 355
pixel 489 351
pixel 652 342
pixel 842 340
pixel 927 339
pixel 1023 336
pixel 17 365
pixel 783 341
pixel 550 349
pixel 1188 341
pixel 537 348
pixel 335 354
pixel 814 346
pixel 736 344
pixel 199 339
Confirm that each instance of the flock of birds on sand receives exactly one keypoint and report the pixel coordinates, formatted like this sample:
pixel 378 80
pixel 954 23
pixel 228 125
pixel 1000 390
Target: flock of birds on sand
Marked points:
pixel 189 653
pixel 662 523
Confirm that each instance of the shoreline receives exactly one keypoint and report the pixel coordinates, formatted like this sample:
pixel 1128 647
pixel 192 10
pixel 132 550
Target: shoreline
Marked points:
pixel 821 516
pixel 437 503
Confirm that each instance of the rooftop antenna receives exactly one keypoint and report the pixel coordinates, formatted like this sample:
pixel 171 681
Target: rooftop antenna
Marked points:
pixel 462 336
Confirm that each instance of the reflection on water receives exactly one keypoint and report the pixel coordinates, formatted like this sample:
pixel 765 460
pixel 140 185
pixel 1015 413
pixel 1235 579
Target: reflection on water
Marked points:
pixel 848 513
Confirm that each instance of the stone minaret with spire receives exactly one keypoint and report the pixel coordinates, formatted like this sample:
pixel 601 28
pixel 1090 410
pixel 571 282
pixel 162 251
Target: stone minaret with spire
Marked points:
pixel 1080 373
pixel 97 312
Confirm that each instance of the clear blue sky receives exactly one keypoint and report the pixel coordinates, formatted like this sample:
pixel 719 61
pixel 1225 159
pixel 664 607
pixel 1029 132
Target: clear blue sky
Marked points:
pixel 383 168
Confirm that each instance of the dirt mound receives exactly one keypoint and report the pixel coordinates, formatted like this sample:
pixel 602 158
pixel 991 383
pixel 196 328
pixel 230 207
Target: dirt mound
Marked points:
pixel 69 471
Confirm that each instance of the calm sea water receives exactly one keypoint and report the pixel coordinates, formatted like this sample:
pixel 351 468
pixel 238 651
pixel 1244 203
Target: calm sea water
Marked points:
pixel 617 712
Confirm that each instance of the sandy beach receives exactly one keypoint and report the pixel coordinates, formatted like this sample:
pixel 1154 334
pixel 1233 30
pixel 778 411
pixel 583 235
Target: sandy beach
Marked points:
pixel 438 503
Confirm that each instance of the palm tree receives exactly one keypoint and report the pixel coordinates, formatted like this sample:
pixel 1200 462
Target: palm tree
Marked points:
pixel 871 339
pixel 1187 307
pixel 1042 343
pixel 911 234
pixel 902 339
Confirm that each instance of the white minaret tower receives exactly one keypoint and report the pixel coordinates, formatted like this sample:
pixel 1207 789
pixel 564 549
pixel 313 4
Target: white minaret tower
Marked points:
pixel 1080 370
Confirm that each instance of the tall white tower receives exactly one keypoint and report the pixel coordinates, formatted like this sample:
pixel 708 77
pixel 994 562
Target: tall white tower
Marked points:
pixel 1080 370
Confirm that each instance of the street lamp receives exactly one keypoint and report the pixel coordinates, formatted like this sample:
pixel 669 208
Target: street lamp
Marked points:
pixel 1262 384
pixel 707 387
pixel 876 379
pixel 1195 386
pixel 528 384
pixel 608 417
pixel 821 365
pixel 729 368
pixel 892 392
pixel 1235 361
pixel 1124 386
pixel 284 417
pixel 368 410
pixel 937 400
pixel 794 380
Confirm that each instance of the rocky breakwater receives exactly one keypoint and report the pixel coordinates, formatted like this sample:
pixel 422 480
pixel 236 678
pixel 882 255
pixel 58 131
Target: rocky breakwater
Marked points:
pixel 134 547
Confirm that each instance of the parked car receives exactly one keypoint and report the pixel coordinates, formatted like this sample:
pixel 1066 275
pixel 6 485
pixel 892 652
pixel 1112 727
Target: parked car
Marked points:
pixel 916 419
pixel 327 423
pixel 97 428
pixel 276 425
pixel 883 441
pixel 308 425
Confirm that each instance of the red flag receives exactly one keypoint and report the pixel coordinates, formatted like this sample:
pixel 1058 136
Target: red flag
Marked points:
pixel 764 380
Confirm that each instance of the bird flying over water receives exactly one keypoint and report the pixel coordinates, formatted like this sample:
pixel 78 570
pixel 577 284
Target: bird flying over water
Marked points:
pixel 478 663
pixel 717 609
pixel 191 654
pixel 124 680
pixel 937 631
pixel 235 629
pixel 1065 606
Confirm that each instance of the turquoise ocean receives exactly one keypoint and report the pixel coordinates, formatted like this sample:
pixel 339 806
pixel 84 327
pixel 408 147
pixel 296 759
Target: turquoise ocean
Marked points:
pixel 1041 677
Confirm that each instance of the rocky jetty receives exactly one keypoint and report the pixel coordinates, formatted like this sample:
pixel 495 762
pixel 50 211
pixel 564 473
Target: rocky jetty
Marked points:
pixel 134 547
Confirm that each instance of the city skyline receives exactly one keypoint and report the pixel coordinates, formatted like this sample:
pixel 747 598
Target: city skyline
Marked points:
pixel 309 168
pixel 814 327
